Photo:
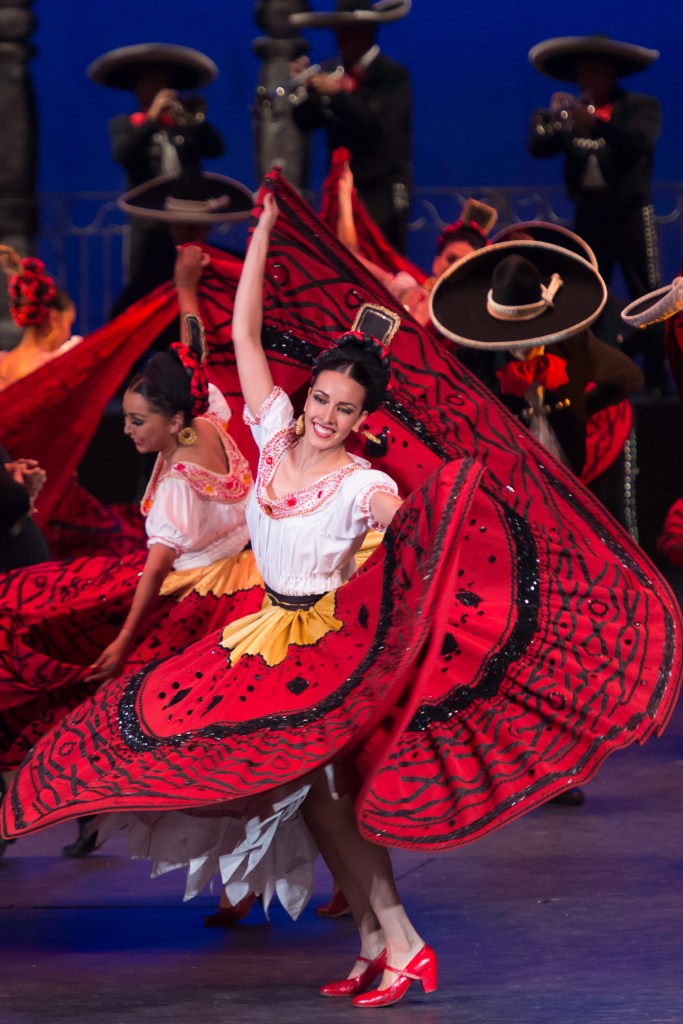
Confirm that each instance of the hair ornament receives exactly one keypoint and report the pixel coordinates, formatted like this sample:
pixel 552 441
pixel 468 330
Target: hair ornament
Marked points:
pixel 30 288
pixel 193 358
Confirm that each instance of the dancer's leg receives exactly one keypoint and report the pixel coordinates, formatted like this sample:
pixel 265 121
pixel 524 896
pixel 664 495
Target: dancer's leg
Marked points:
pixel 364 873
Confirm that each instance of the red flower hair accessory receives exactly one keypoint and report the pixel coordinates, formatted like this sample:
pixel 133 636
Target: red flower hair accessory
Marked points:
pixel 30 288
pixel 451 231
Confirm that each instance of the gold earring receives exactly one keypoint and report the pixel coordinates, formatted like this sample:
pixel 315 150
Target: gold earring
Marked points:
pixel 299 426
pixel 187 436
pixel 372 437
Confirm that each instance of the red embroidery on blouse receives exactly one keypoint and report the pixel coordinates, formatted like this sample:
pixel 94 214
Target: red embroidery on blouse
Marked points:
pixel 299 503
pixel 254 421
pixel 226 488
pixel 364 504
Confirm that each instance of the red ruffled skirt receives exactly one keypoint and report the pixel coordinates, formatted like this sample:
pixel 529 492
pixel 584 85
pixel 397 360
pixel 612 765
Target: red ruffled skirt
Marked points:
pixel 56 618
pixel 477 668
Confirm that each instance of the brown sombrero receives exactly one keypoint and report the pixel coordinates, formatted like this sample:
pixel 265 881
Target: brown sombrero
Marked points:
pixel 503 296
pixel 120 69
pixel 554 234
pixel 558 57
pixel 191 198
pixel 655 306
pixel 353 12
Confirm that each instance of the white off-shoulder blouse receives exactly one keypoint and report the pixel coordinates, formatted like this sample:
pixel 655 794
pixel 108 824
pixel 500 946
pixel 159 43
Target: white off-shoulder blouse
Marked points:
pixel 304 542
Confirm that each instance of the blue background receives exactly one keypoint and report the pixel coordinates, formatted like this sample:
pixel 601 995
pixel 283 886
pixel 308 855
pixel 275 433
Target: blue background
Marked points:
pixel 474 88
pixel 474 92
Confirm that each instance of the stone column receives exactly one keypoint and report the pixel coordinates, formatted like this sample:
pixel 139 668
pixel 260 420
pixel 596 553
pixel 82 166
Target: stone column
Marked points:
pixel 18 206
pixel 277 140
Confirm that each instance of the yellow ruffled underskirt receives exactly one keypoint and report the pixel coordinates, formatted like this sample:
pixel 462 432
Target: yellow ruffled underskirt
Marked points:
pixel 222 578
pixel 271 631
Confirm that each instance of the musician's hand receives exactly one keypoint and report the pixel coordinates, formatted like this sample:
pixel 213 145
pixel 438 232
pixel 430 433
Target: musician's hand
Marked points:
pixel 298 65
pixel 34 481
pixel 561 101
pixel 325 85
pixel 164 99
pixel 29 474
pixel 189 266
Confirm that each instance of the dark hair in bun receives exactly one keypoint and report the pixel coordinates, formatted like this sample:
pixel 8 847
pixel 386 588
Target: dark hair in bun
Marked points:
pixel 363 359
pixel 462 231
pixel 31 291
pixel 164 383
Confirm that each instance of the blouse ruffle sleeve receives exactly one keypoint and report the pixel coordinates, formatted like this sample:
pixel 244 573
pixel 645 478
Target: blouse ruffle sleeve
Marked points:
pixel 360 488
pixel 275 413
pixel 170 519
pixel 218 405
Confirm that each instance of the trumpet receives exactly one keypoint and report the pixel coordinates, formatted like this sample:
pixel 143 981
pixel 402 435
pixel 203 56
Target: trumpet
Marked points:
pixel 188 111
pixel 332 66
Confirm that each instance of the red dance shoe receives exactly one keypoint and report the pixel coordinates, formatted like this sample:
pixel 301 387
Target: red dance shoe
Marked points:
pixel 335 907
pixel 422 967
pixel 224 917
pixel 351 986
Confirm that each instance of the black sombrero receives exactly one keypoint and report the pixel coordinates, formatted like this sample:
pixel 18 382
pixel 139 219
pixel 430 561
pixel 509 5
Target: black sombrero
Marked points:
pixel 121 68
pixel 558 57
pixel 505 296
pixel 191 198
pixel 553 234
pixel 353 12
pixel 655 306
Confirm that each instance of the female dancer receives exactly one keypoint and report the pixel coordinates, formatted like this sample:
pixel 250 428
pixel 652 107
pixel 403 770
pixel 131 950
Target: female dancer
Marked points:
pixel 67 627
pixel 44 311
pixel 348 383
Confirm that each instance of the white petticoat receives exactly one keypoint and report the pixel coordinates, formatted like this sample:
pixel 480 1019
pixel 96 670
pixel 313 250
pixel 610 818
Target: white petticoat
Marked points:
pixel 260 844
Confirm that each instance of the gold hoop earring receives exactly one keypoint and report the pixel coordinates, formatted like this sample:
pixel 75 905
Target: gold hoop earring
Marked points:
pixel 299 426
pixel 187 436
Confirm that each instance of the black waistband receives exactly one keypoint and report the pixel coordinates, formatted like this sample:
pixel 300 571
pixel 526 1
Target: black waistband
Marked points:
pixel 293 602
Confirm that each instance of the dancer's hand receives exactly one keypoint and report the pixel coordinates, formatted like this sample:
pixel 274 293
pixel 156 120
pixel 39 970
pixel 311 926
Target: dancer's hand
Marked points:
pixel 189 266
pixel 111 661
pixel 345 181
pixel 270 212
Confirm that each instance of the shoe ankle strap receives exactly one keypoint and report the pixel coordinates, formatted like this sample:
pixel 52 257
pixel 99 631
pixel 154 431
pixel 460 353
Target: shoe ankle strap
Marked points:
pixel 402 974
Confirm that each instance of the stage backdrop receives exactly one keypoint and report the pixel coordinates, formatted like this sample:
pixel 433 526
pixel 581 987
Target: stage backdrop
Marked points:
pixel 474 87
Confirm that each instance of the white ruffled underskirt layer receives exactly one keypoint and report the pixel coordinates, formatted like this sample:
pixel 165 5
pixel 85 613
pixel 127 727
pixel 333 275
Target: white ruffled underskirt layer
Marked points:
pixel 260 844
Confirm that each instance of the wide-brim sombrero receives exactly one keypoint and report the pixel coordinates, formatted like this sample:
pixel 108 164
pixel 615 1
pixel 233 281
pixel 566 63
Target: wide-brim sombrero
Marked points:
pixel 195 198
pixel 121 68
pixel 558 57
pixel 554 234
pixel 458 302
pixel 375 14
pixel 655 306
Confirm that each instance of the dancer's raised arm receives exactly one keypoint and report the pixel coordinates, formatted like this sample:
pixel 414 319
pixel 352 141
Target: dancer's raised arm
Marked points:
pixel 256 380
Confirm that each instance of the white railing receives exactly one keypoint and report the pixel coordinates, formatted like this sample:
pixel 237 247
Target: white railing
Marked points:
pixel 84 236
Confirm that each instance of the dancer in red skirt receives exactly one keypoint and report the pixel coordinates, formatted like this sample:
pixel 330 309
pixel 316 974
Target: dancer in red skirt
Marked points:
pixel 505 638
pixel 67 627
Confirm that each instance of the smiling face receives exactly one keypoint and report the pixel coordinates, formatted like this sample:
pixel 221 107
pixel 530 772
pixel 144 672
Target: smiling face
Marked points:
pixel 333 409
pixel 149 431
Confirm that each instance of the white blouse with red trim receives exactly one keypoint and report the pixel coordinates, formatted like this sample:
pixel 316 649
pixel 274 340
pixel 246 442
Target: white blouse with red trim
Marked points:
pixel 305 542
